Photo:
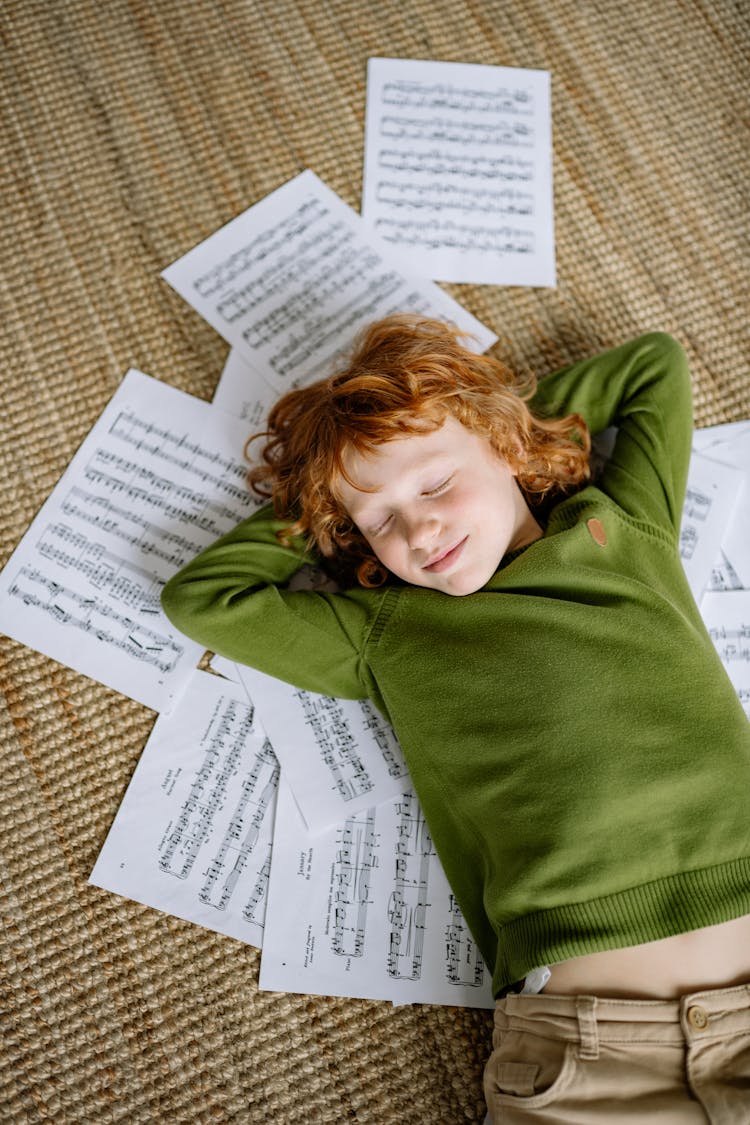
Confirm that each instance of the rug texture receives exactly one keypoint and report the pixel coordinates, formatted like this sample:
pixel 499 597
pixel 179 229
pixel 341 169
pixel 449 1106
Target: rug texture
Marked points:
pixel 131 130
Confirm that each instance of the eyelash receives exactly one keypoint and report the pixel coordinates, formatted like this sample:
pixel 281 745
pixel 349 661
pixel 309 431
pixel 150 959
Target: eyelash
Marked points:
pixel 381 527
pixel 432 492
pixel 440 488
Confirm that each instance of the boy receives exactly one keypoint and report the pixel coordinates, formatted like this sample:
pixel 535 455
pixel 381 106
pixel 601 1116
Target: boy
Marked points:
pixel 581 758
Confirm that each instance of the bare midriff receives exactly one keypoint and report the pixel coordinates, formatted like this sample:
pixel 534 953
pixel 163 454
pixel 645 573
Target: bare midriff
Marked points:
pixel 714 957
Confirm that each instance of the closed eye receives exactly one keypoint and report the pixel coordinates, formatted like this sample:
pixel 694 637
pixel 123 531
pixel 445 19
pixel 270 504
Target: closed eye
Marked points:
pixel 381 526
pixel 438 488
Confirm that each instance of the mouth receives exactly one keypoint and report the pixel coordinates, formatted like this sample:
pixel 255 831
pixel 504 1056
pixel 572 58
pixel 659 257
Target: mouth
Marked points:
pixel 446 559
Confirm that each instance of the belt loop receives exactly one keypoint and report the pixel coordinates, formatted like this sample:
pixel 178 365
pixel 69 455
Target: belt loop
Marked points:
pixel 586 1012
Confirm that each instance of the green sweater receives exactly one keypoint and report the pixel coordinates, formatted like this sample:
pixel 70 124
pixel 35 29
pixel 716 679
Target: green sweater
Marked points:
pixel 581 757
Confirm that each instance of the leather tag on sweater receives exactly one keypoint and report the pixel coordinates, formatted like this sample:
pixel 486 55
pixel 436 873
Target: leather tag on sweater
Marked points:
pixel 597 532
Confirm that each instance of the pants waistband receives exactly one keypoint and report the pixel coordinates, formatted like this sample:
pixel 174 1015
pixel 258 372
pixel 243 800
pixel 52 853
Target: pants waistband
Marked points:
pixel 590 1020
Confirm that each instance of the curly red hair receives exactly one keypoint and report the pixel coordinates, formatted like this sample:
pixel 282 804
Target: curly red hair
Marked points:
pixel 405 375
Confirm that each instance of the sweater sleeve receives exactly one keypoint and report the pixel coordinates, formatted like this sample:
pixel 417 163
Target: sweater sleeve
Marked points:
pixel 232 598
pixel 642 388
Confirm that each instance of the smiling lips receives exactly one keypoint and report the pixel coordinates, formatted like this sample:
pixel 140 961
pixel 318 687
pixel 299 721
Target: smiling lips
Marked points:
pixel 442 562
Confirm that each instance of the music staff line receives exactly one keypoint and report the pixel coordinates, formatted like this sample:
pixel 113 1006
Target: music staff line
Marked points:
pixel 94 617
pixel 408 905
pixel 324 329
pixel 256 798
pixel 122 578
pixel 448 197
pixel 456 236
pixel 264 245
pixel 224 777
pixel 338 748
pixel 160 488
pixel 499 135
pixel 442 96
pixel 127 422
pixel 172 547
pixel 346 264
pixel 437 162
pixel 355 860
pixel 384 739
pixel 733 644
pixel 302 261
pixel 464 964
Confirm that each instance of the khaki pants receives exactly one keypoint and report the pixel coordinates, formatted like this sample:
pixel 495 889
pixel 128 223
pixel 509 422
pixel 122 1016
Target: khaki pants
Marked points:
pixel 578 1060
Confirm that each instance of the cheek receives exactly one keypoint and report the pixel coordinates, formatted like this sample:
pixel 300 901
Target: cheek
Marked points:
pixel 471 504
pixel 388 553
pixel 379 547
pixel 394 557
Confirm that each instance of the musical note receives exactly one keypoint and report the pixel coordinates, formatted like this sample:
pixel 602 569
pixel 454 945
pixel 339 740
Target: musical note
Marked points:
pixel 459 131
pixel 409 898
pixel 726 614
pixel 355 858
pixel 411 93
pixel 98 619
pixel 270 243
pixel 710 496
pixel 384 738
pixel 732 643
pixel 724 576
pixel 459 237
pixel 463 961
pixel 243 831
pixel 324 716
pixel 462 166
pixel 438 197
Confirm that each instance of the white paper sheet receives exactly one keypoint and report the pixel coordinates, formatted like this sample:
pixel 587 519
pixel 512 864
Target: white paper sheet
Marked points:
pixel 244 392
pixel 193 834
pixel 365 910
pixel 339 756
pixel 458 169
pixel 727 618
pixel 293 279
pixel 712 493
pixel 723 575
pixel 160 476
pixel 709 436
pixel 735 543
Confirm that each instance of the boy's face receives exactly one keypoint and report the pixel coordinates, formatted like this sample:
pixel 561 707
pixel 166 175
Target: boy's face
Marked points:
pixel 441 508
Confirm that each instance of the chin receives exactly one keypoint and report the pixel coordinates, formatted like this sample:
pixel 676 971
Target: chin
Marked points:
pixel 465 586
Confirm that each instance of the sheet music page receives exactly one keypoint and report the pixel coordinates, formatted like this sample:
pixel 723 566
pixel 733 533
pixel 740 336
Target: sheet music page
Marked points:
pixel 193 834
pixel 735 543
pixel 709 436
pixel 723 575
pixel 712 492
pixel 293 279
pixel 364 910
pixel 727 618
pixel 244 392
pixel 339 756
pixel 159 476
pixel 458 169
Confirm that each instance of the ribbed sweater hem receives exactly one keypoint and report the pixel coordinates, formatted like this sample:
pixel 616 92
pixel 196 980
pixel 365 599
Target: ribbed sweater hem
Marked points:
pixel 672 905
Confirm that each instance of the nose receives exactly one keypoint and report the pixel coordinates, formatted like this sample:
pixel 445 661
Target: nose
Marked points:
pixel 421 529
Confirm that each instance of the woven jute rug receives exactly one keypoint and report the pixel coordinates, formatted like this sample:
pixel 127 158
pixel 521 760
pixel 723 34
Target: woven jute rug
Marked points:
pixel 131 130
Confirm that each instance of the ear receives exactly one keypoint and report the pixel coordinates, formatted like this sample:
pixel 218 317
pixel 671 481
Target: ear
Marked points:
pixel 519 454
